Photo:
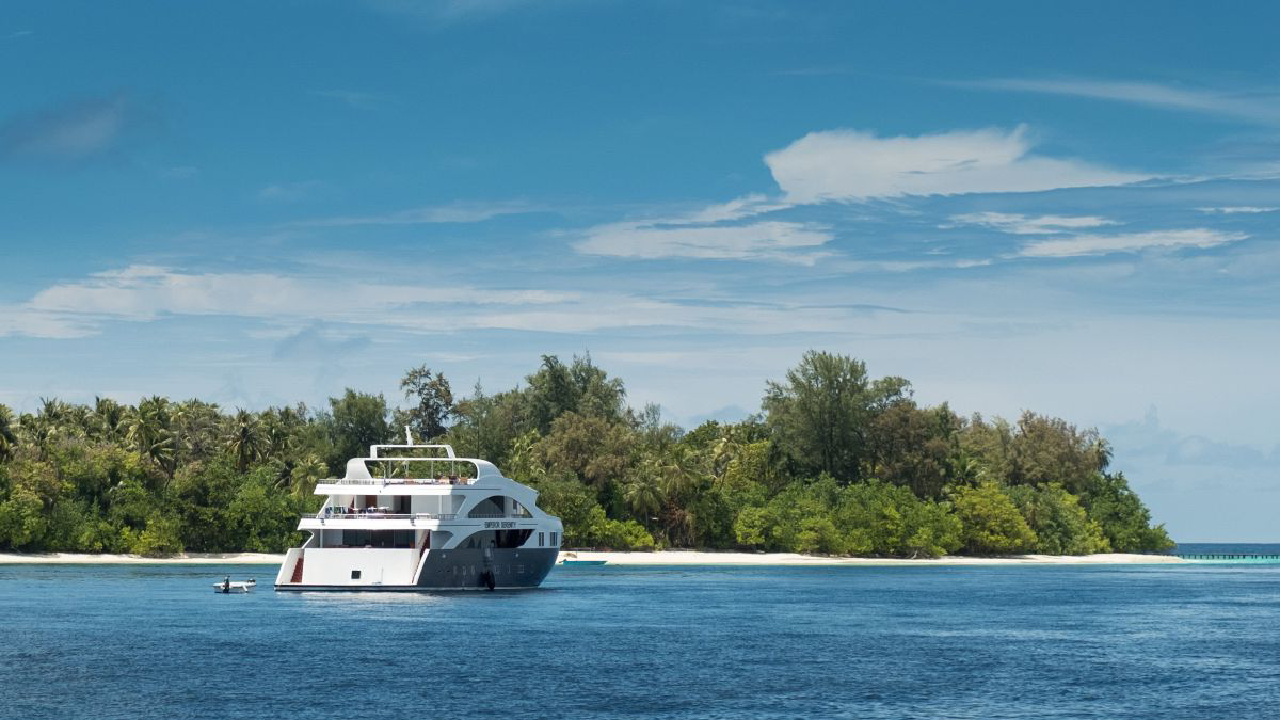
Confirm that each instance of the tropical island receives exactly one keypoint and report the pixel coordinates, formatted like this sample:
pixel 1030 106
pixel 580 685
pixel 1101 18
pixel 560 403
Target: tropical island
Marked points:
pixel 835 463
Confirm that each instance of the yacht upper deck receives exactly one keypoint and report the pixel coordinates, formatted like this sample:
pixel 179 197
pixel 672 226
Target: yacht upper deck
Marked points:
pixel 383 469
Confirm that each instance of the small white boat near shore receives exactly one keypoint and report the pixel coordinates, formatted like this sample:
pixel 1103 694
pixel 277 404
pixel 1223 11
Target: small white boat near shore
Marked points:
pixel 228 586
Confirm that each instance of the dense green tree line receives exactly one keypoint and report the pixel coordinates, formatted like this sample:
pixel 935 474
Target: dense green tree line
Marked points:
pixel 836 463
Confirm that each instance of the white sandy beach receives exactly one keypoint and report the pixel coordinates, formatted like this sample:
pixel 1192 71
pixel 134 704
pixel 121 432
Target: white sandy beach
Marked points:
pixel 663 557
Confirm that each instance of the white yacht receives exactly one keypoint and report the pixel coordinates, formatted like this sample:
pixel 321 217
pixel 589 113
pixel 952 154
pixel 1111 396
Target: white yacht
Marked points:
pixel 400 520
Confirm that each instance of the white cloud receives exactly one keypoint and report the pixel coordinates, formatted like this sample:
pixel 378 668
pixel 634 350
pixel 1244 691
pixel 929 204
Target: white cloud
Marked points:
pixel 1234 210
pixel 856 165
pixel 1256 107
pixel 431 214
pixel 1134 242
pixel 72 131
pixel 286 305
pixel 768 240
pixel 290 191
pixel 737 209
pixel 1018 224
pixel 19 320
pixel 143 293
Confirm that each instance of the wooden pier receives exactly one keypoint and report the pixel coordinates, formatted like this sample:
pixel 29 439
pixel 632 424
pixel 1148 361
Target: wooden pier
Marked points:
pixel 1231 557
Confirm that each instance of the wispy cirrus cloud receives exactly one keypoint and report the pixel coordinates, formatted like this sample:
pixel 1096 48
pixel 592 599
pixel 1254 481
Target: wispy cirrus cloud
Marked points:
pixel 146 292
pixel 1255 107
pixel 76 130
pixel 291 191
pixel 1237 210
pixel 789 242
pixel 855 165
pixel 352 307
pixel 461 212
pixel 352 98
pixel 141 293
pixel 1019 224
pixel 1081 245
pixel 451 10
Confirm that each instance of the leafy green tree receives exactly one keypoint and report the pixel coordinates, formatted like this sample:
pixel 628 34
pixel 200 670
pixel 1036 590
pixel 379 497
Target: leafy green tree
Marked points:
pixel 486 425
pixel 1124 519
pixel 432 401
pixel 359 421
pixel 573 503
pixel 889 520
pixel 992 524
pixel 580 387
pixel 1061 525
pixel 914 447
pixel 262 521
pixel 616 534
pixel 22 521
pixel 1050 450
pixel 756 527
pixel 597 451
pixel 161 536
pixel 820 416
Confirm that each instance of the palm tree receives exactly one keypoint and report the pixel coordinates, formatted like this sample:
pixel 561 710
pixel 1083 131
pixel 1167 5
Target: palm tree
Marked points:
pixel 244 439
pixel 78 420
pixel 108 419
pixel 724 451
pixel 150 430
pixel 305 474
pixel 643 496
pixel 678 472
pixel 8 437
pixel 276 439
pixel 198 424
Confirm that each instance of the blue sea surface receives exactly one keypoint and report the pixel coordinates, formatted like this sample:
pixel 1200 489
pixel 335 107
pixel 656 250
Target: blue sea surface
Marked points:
pixel 1262 550
pixel 1143 641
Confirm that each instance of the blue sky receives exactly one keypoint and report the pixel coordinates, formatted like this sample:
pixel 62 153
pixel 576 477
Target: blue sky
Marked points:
pixel 1071 209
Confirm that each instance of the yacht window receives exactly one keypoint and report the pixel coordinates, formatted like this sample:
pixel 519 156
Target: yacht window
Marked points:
pixel 355 574
pixel 553 540
pixel 540 543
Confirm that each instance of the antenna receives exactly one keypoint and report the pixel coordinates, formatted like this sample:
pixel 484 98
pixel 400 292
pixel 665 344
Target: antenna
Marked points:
pixel 408 436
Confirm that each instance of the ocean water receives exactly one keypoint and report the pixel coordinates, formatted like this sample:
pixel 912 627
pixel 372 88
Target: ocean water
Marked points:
pixel 1261 550
pixel 1169 642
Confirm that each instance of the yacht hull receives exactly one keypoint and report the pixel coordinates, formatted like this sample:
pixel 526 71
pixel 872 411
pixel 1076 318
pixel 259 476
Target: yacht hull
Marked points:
pixel 465 569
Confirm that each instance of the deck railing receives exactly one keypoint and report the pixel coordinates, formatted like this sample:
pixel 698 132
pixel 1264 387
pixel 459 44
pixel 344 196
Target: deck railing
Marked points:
pixel 431 470
pixel 403 481
pixel 330 515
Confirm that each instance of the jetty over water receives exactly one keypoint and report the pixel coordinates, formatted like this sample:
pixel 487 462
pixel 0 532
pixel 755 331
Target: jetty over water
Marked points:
pixel 1229 558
